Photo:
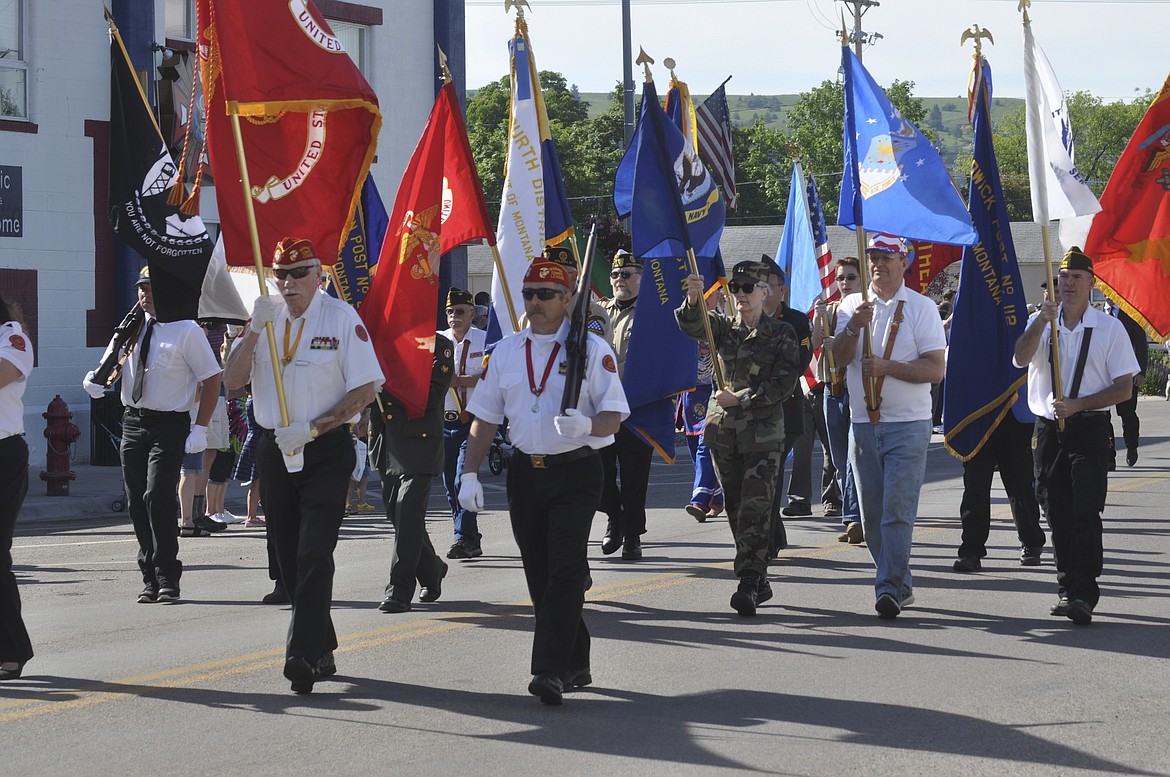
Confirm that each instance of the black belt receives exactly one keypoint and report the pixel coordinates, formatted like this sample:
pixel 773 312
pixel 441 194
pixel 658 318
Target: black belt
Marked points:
pixel 146 412
pixel 544 461
pixel 271 433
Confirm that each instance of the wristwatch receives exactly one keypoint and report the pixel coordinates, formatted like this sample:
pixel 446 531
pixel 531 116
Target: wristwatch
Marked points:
pixel 849 331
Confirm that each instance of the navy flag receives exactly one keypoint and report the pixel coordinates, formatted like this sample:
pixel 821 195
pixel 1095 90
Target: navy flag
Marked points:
pixel 359 254
pixel 894 179
pixel 990 310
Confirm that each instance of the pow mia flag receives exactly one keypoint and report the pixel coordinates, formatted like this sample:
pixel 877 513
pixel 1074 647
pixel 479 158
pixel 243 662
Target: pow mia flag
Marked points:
pixel 176 246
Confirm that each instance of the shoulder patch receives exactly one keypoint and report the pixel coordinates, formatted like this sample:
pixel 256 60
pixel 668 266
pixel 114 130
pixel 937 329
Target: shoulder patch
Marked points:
pixel 486 358
pixel 17 342
pixel 596 326
pixel 361 333
pixel 608 363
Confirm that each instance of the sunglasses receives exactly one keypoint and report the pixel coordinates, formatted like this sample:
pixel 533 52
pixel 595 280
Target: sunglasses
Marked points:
pixel 623 274
pixel 544 295
pixel 296 272
pixel 848 277
pixel 746 288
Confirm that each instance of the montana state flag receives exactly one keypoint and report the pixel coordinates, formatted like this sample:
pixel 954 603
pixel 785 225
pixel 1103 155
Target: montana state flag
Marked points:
pixel 308 118
pixel 439 206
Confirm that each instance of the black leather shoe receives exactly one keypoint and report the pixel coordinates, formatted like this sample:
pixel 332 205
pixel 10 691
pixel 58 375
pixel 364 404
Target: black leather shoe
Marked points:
pixel 390 604
pixel 1079 612
pixel 462 549
pixel 797 510
pixel 968 564
pixel 633 549
pixel 300 673
pixel 1060 609
pixel 1131 457
pixel 548 687
pixel 745 598
pixel 763 591
pixel 576 678
pixel 277 596
pixel 612 541
pixel 12 674
pixel 432 592
pixel 326 666
pixel 203 523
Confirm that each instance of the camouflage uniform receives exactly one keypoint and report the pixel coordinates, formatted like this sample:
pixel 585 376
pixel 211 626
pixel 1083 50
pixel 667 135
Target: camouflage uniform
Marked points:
pixel 761 366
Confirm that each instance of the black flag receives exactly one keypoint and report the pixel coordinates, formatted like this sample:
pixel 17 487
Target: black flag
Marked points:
pixel 176 246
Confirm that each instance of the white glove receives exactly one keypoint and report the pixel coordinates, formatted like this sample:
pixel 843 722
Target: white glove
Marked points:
pixel 265 309
pixel 471 493
pixel 196 440
pixel 291 439
pixel 95 390
pixel 572 424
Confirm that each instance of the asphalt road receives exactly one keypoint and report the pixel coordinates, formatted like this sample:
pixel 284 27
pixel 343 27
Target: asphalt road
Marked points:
pixel 976 678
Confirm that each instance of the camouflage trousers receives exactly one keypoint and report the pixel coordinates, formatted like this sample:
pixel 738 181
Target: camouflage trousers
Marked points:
pixel 749 486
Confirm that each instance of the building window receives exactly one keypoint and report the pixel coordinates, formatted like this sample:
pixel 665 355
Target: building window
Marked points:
pixel 179 19
pixel 354 38
pixel 13 67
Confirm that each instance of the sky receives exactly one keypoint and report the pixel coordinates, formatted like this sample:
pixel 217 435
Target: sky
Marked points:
pixel 1107 47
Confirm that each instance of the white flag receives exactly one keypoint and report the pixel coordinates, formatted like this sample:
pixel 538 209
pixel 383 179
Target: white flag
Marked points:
pixel 1058 188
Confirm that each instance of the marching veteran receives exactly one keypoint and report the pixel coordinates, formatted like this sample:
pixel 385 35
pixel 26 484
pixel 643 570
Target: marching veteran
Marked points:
pixel 555 472
pixel 745 423
pixel 330 373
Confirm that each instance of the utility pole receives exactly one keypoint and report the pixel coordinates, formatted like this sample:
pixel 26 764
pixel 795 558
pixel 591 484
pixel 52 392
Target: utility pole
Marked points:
pixel 859 37
pixel 627 73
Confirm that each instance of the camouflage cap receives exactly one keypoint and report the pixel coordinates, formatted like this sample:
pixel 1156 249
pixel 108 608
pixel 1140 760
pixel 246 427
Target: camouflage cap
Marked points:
pixel 750 271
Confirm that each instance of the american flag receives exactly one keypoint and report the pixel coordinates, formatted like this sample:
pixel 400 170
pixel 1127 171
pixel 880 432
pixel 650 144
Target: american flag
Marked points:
pixel 714 122
pixel 821 239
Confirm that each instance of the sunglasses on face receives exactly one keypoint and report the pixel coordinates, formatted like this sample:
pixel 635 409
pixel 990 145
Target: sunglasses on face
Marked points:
pixel 544 295
pixel 623 274
pixel 746 288
pixel 848 277
pixel 297 272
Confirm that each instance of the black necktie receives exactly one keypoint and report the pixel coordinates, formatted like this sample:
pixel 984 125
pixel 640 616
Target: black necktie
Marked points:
pixel 140 372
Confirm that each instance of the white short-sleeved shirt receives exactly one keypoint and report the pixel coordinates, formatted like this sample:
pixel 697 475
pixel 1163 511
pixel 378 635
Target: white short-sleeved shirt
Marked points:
pixel 504 391
pixel 15 349
pixel 468 363
pixel 1110 357
pixel 332 357
pixel 921 332
pixel 178 360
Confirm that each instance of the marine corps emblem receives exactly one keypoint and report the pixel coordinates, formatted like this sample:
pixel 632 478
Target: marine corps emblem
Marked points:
pixel 420 243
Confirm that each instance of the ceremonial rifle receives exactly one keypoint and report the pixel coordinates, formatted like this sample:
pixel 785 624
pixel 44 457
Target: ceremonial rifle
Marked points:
pixel 110 369
pixel 578 332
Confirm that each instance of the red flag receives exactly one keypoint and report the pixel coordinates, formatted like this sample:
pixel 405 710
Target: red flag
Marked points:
pixel 439 206
pixel 308 118
pixel 927 261
pixel 1130 238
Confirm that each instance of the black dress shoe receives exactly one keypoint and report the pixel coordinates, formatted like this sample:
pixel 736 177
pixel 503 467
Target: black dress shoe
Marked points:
pixel 390 604
pixel 1060 609
pixel 576 678
pixel 1079 612
pixel 633 549
pixel 12 674
pixel 612 540
pixel 300 673
pixel 549 687
pixel 203 523
pixel 277 596
pixel 1131 457
pixel 326 666
pixel 968 564
pixel 432 592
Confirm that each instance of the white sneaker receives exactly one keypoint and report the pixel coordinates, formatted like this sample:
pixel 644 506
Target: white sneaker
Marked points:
pixel 226 517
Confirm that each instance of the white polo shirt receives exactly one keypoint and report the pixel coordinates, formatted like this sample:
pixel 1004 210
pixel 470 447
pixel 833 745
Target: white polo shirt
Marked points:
pixel 1110 357
pixel 921 332
pixel 178 360
pixel 505 391
pixel 331 356
pixel 468 363
pixel 16 349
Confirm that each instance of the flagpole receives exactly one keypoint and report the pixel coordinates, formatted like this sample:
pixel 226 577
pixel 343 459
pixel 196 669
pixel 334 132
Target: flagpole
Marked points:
pixel 504 285
pixel 250 213
pixel 720 383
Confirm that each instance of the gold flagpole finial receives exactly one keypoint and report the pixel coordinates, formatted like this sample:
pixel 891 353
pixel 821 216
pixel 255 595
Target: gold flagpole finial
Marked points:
pixel 669 63
pixel 844 32
pixel 645 60
pixel 443 65
pixel 1023 6
pixel 977 34
pixel 519 5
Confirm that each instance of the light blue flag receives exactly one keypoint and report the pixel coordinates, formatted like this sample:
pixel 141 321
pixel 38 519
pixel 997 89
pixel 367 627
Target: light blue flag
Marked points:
pixel 797 254
pixel 894 179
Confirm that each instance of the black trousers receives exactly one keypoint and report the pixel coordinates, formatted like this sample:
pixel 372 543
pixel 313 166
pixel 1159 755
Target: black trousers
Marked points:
pixel 551 512
pixel 414 556
pixel 152 453
pixel 1072 478
pixel 1010 447
pixel 303 512
pixel 1130 424
pixel 800 479
pixel 628 459
pixel 14 642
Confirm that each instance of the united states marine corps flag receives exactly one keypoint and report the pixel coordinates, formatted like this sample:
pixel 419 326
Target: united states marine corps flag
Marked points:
pixel 439 206
pixel 308 120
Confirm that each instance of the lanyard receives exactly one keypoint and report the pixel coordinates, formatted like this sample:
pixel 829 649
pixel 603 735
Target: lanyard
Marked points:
pixel 538 390
pixel 288 355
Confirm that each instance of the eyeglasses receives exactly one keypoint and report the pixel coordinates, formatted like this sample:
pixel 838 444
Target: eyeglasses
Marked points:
pixel 848 277
pixel 544 295
pixel 746 288
pixel 623 274
pixel 297 272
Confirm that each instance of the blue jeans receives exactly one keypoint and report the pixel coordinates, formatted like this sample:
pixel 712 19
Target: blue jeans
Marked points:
pixel 837 424
pixel 889 462
pixel 454 453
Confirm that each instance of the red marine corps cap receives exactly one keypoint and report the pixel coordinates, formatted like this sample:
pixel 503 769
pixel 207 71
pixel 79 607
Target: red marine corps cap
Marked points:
pixel 544 271
pixel 293 250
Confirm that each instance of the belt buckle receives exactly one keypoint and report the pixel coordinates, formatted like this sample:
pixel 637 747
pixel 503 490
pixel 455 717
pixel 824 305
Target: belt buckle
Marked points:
pixel 450 415
pixel 537 461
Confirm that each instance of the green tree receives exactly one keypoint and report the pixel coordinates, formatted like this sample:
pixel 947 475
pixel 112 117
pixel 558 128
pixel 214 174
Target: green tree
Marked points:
pixel 936 119
pixel 763 171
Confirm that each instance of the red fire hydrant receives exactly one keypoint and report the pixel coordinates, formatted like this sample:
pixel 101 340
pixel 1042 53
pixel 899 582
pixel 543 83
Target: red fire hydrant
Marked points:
pixel 61 434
